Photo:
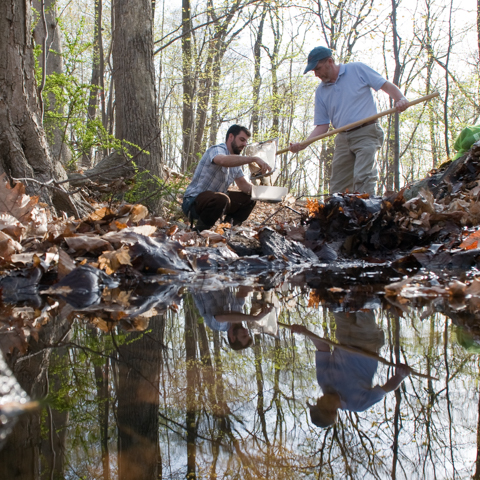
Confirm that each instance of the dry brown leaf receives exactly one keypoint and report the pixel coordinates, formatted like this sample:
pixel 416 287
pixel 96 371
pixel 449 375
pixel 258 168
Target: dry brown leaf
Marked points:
pixel 88 243
pixel 158 222
pixel 139 212
pixel 186 237
pixel 14 200
pixel 8 246
pixel 65 264
pixel 112 261
pixel 172 230
pixel 119 225
pixel 24 258
pixel 39 223
pixel 313 206
pixel 471 241
pixel 212 236
pixel 100 214
pixel 103 325
pixel 10 225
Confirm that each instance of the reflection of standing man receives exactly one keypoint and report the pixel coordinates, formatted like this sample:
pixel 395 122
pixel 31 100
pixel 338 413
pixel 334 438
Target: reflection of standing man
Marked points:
pixel 346 378
pixel 345 96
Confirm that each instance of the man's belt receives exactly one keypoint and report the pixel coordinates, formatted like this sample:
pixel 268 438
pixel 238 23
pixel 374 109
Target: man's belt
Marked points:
pixel 362 125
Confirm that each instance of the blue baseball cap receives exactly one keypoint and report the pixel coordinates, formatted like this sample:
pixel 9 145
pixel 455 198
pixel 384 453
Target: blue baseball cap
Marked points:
pixel 317 54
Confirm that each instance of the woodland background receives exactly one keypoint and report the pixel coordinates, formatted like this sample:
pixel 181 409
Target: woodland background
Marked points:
pixel 138 89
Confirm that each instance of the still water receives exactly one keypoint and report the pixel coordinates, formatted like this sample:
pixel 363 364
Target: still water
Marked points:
pixel 217 384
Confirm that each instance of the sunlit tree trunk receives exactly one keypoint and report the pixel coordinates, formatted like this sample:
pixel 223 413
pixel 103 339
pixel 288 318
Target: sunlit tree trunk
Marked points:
pixel 97 87
pixel 136 118
pixel 257 78
pixel 24 150
pixel 50 41
pixel 188 88
pixel 395 139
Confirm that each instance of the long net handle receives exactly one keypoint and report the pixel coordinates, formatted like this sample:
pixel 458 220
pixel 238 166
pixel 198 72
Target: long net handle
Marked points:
pixel 306 143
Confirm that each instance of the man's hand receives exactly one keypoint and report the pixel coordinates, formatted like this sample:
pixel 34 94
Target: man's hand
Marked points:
pixel 264 166
pixel 297 328
pixel 402 104
pixel 295 147
pixel 403 370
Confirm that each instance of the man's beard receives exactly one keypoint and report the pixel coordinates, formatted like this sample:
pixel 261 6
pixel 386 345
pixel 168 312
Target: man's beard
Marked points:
pixel 235 148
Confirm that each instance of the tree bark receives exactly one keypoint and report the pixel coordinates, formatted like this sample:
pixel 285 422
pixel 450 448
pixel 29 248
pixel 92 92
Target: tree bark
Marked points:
pixel 136 120
pixel 187 114
pixel 97 87
pixel 24 150
pixel 51 42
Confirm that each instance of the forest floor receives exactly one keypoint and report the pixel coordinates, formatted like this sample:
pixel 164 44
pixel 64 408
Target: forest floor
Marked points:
pixel 418 246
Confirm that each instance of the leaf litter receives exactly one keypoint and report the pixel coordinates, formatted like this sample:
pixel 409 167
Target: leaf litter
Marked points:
pixel 120 265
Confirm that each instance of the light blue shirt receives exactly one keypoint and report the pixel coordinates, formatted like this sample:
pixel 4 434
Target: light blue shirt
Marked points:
pixel 350 375
pixel 211 177
pixel 349 98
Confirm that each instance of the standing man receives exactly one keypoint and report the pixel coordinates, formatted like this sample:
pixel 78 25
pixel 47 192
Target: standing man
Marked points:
pixel 345 96
pixel 206 198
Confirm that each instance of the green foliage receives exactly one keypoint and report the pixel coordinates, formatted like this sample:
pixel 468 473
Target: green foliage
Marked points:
pixel 66 100
pixel 146 186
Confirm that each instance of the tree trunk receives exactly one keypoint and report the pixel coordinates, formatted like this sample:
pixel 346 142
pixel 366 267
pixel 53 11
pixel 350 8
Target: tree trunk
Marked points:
pixel 136 120
pixel 24 151
pixel 257 78
pixel 187 114
pixel 138 398
pixel 395 147
pixel 51 42
pixel 97 87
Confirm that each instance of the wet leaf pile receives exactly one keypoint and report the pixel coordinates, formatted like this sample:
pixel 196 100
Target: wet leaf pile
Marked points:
pixel 120 263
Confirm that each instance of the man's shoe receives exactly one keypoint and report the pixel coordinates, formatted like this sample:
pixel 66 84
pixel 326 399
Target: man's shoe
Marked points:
pixel 200 226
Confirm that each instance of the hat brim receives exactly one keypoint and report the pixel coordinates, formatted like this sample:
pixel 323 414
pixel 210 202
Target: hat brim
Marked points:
pixel 310 66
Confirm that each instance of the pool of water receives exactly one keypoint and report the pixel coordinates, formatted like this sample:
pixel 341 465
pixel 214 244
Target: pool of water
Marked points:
pixel 216 384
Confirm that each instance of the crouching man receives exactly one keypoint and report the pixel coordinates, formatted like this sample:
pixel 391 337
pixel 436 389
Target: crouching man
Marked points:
pixel 207 197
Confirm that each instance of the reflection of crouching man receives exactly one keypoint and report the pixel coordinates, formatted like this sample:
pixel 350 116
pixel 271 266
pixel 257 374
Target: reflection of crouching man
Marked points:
pixel 346 378
pixel 223 311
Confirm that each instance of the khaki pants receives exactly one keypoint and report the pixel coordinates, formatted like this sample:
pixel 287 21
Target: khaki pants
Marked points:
pixel 354 166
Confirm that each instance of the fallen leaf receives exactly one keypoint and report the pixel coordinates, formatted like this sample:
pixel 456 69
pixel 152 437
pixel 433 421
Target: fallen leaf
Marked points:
pixel 8 246
pixel 112 261
pixel 471 241
pixel 12 226
pixel 139 212
pixel 14 200
pixel 100 214
pixel 88 243
pixel 65 264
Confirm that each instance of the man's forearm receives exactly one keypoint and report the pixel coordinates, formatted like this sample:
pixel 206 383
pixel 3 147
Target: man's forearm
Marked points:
pixel 318 130
pixel 392 91
pixel 232 160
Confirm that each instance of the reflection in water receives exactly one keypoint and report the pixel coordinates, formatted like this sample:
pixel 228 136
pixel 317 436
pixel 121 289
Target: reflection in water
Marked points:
pixel 346 376
pixel 168 394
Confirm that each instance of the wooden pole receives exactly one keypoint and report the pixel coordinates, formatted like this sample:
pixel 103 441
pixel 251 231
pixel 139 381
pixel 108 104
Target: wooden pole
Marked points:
pixel 357 351
pixel 305 143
